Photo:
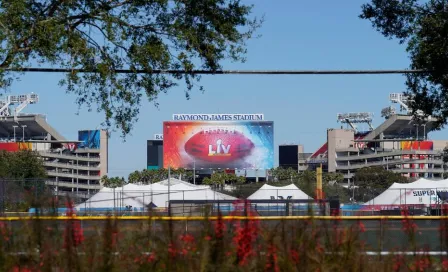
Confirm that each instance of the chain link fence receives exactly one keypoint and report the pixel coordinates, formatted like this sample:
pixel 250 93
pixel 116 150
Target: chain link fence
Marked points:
pixel 33 195
pixel 377 234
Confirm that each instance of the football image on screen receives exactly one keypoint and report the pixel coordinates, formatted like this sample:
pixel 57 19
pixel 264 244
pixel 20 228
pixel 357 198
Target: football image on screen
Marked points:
pixel 218 144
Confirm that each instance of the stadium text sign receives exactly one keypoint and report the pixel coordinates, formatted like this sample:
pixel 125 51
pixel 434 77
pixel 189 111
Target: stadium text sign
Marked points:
pixel 158 136
pixel 218 117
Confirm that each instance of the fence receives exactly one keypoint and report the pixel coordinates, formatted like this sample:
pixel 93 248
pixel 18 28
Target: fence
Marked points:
pixel 280 207
pixel 379 233
pixel 20 195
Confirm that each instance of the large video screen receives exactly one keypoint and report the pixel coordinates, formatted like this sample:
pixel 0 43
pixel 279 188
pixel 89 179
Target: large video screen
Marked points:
pixel 240 145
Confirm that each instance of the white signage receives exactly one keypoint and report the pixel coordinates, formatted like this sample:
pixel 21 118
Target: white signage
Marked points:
pixel 219 117
pixel 158 136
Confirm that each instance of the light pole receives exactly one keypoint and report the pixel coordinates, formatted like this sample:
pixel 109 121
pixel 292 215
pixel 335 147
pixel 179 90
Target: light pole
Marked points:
pixel 169 189
pixel 14 127
pixel 417 132
pixel 23 133
pixel 194 172
pixel 424 132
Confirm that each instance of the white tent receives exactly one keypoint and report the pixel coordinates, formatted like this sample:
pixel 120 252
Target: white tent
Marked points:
pixel 420 192
pixel 277 192
pixel 140 196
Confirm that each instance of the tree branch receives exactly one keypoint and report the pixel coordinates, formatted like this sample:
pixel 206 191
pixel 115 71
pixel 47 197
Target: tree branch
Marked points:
pixel 53 7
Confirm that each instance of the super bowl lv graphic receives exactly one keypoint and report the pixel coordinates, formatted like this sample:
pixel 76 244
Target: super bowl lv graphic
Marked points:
pixel 239 145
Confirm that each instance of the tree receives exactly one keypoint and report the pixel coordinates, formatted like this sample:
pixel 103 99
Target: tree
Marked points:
pixel 284 174
pixel 445 160
pixel 155 175
pixel 22 174
pixel 220 178
pixel 180 172
pixel 23 166
pixel 135 177
pixel 372 181
pixel 423 25
pixel 377 177
pixel 102 36
pixel 332 177
pixel 112 182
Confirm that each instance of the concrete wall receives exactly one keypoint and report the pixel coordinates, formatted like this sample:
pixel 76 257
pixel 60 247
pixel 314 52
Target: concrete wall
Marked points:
pixel 338 138
pixel 439 144
pixel 41 146
pixel 104 152
pixel 301 149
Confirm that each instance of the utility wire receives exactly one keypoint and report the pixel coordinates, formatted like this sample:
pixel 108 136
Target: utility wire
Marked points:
pixel 221 72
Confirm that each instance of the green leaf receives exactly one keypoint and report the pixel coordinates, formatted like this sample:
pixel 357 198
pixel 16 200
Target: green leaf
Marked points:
pixel 102 36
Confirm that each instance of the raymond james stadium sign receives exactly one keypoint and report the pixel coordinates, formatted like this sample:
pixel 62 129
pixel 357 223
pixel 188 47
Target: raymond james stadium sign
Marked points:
pixel 218 117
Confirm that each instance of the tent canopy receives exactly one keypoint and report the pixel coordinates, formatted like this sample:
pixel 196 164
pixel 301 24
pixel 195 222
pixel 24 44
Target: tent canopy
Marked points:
pixel 140 196
pixel 419 192
pixel 276 192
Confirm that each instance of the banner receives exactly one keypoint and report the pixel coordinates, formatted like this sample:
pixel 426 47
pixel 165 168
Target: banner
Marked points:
pixel 89 139
pixel 15 146
pixel 416 145
pixel 214 145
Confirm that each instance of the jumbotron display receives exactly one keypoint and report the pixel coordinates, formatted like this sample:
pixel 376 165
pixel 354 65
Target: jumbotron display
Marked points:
pixel 220 144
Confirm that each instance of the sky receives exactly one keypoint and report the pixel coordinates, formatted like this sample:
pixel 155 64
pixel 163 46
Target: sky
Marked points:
pixel 296 34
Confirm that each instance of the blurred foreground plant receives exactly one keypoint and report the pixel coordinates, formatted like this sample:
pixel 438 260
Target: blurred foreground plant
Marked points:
pixel 218 244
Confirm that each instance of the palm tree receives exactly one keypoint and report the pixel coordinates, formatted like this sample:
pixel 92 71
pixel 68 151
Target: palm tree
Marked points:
pixel 181 172
pixel 135 177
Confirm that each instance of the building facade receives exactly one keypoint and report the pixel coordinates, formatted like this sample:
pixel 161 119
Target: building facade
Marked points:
pixel 78 167
pixel 400 144
pixel 154 154
pixel 73 166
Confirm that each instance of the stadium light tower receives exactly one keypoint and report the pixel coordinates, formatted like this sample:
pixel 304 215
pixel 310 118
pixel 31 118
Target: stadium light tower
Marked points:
pixel 14 128
pixel 22 101
pixel 404 101
pixel 23 133
pixel 354 118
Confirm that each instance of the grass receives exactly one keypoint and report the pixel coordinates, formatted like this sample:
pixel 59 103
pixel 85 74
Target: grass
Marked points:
pixel 214 245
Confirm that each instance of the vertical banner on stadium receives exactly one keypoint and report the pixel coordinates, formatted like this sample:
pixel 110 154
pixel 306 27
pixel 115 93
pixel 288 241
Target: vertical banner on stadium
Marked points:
pixel 16 146
pixel 416 145
pixel 214 145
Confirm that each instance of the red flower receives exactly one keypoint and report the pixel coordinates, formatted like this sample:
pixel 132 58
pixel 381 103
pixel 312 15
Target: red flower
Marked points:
pixel 294 254
pixel 151 258
pixel 73 234
pixel 398 262
pixel 361 226
pixel 187 238
pixel 319 248
pixel 245 236
pixel 220 228
pixel 445 265
pixel 4 231
pixel 272 259
pixel 21 269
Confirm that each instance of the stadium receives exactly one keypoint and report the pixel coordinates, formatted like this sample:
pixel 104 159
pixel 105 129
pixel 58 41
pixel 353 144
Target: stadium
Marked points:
pixel 400 144
pixel 236 143
pixel 74 167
